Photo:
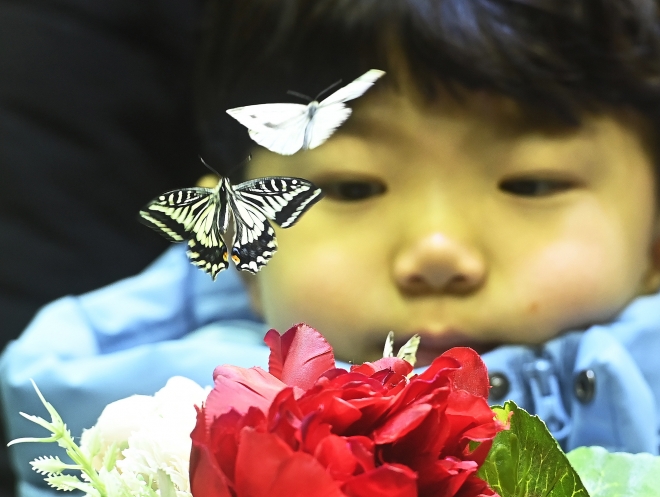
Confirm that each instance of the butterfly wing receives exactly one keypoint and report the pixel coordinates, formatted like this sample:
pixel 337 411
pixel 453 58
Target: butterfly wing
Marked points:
pixel 278 127
pixel 194 214
pixel 355 88
pixel 388 350
pixel 206 248
pixel 173 214
pixel 324 123
pixel 253 203
pixel 408 351
pixel 211 259
pixel 254 238
pixel 281 199
pixel 331 112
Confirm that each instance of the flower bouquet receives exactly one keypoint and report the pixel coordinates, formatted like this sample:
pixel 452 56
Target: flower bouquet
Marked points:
pixel 308 428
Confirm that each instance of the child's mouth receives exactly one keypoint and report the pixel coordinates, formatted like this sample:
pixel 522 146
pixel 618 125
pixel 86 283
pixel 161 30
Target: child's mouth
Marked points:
pixel 433 344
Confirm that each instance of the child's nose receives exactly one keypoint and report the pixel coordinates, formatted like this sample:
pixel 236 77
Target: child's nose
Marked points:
pixel 437 263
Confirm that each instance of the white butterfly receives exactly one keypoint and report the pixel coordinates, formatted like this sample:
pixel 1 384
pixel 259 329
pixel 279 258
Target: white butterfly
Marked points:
pixel 407 352
pixel 286 128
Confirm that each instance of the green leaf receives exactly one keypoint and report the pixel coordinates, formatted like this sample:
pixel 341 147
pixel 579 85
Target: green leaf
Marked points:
pixel 68 483
pixel 617 474
pixel 90 442
pixel 526 460
pixel 51 465
pixel 62 436
pixel 56 426
pixel 110 458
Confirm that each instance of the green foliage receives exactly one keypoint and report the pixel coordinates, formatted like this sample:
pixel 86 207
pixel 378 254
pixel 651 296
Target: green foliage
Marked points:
pixel 526 461
pixel 53 466
pixel 617 474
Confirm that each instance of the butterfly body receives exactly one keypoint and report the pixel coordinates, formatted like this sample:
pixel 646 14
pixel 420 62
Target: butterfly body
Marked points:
pixel 311 112
pixel 201 216
pixel 288 128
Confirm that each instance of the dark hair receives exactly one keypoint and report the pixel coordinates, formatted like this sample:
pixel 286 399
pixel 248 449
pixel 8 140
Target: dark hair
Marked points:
pixel 559 56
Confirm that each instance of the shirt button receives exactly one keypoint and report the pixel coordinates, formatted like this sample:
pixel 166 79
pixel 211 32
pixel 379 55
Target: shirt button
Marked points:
pixel 584 385
pixel 499 386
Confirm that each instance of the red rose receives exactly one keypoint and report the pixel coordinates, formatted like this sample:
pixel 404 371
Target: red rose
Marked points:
pixel 309 429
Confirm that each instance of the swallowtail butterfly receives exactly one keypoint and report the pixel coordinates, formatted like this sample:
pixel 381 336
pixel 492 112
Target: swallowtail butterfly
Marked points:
pixel 286 128
pixel 201 217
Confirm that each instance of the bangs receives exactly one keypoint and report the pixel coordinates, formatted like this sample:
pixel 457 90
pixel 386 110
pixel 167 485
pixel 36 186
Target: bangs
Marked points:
pixel 558 57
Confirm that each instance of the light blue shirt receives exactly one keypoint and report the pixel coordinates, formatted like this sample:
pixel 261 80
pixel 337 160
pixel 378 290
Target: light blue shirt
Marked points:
pixel 172 319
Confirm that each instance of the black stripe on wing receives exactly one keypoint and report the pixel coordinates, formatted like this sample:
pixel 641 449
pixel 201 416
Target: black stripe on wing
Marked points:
pixel 254 238
pixel 198 215
pixel 172 213
pixel 281 199
pixel 211 260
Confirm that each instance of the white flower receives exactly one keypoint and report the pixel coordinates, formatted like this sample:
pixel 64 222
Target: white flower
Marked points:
pixel 121 418
pixel 153 434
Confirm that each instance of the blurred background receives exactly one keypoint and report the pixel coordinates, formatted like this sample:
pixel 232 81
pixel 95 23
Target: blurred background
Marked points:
pixel 96 119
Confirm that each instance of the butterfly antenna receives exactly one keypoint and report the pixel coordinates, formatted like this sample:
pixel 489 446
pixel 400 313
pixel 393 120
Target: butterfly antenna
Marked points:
pixel 301 95
pixel 327 89
pixel 209 167
pixel 243 163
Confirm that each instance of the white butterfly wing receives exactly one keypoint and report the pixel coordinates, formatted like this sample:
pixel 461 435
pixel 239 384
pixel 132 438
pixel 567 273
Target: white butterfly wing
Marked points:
pixel 286 128
pixel 354 89
pixel 277 127
pixel 332 112
pixel 325 122
pixel 267 115
pixel 285 141
pixel 408 351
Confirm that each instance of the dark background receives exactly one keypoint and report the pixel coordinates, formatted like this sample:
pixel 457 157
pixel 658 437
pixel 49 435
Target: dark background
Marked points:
pixel 96 119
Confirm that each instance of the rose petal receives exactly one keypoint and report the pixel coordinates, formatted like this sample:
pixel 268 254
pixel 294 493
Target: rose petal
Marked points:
pixel 330 408
pixel 206 478
pixel 404 368
pixel 471 417
pixel 303 476
pixel 476 487
pixel 401 423
pixel 239 389
pixel 224 433
pixel 299 356
pixel 445 477
pixel 391 380
pixel 276 358
pixel 267 467
pixel 472 376
pixel 284 418
pixel 336 455
pixel 389 480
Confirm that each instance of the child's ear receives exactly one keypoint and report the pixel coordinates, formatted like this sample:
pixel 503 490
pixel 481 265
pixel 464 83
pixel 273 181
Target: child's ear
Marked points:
pixel 252 287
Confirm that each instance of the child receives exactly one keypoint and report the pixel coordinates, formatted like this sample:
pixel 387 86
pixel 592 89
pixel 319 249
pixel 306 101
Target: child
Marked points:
pixel 497 189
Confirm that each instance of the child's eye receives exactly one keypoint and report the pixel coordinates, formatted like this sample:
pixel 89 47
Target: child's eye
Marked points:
pixel 528 187
pixel 352 190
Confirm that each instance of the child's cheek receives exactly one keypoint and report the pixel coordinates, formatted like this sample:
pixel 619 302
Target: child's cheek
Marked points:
pixel 333 284
pixel 575 280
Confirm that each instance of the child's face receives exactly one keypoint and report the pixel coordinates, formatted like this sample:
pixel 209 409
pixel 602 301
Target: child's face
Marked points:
pixel 463 224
